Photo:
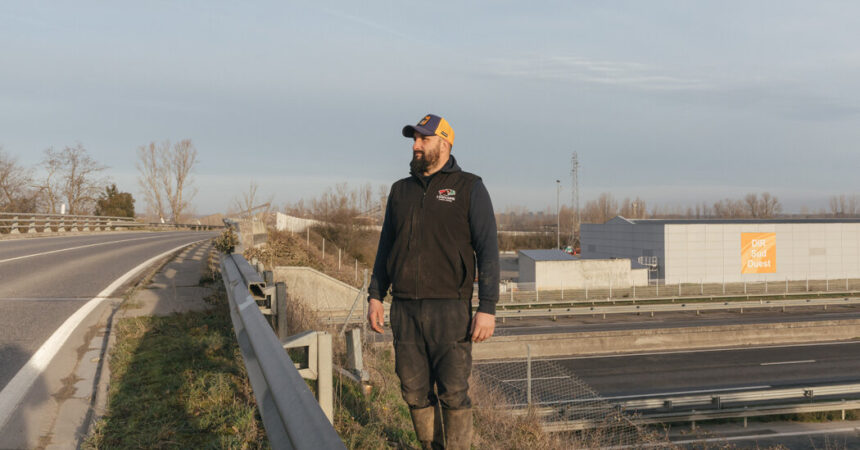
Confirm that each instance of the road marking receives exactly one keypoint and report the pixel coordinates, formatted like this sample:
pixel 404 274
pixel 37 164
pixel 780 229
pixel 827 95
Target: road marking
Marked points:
pixel 701 391
pixel 74 248
pixel 805 361
pixel 536 379
pixel 12 395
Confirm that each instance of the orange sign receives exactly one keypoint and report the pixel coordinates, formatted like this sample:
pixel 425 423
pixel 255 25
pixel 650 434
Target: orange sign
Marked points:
pixel 758 252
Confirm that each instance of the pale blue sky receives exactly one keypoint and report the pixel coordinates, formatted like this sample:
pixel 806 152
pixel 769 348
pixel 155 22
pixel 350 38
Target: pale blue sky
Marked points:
pixel 673 101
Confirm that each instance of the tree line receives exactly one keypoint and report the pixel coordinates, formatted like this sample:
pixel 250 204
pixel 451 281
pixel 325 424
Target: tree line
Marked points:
pixel 72 177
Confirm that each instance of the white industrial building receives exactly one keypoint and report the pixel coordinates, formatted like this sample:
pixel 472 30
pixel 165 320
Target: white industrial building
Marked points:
pixel 730 250
pixel 557 270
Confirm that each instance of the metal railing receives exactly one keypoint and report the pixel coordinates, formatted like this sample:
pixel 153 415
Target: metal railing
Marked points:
pixel 542 310
pixel 17 223
pixel 26 223
pixel 291 415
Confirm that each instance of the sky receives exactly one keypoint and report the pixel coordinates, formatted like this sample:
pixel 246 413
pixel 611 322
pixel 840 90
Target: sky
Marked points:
pixel 676 102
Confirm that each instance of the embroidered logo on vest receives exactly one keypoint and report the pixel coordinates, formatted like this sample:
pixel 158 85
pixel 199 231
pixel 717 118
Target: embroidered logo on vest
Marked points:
pixel 446 195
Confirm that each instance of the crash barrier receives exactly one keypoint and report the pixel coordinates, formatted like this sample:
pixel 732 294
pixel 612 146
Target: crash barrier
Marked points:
pixel 21 223
pixel 722 404
pixel 555 310
pixel 293 418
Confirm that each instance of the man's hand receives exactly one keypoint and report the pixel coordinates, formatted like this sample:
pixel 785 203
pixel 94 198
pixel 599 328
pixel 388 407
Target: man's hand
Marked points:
pixel 483 325
pixel 376 315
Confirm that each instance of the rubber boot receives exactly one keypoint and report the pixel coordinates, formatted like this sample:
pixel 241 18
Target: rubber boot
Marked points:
pixel 458 428
pixel 424 422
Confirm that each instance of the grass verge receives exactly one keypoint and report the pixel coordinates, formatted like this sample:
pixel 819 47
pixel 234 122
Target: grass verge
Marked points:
pixel 179 382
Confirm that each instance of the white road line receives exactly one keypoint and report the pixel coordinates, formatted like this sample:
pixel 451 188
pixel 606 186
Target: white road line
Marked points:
pixel 701 391
pixel 74 248
pixel 536 379
pixel 14 392
pixel 805 361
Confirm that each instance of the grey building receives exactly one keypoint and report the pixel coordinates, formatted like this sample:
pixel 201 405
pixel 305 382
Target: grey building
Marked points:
pixel 730 250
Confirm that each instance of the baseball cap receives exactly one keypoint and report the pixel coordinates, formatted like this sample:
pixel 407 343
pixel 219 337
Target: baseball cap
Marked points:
pixel 429 125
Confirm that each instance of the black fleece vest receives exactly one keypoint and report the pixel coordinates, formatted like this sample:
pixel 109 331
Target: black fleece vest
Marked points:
pixel 432 255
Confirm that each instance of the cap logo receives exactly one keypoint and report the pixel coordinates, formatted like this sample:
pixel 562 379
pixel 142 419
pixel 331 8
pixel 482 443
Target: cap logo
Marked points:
pixel 446 195
pixel 424 121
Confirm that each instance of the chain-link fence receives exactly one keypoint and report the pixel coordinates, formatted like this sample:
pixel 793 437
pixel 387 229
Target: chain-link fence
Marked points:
pixel 563 403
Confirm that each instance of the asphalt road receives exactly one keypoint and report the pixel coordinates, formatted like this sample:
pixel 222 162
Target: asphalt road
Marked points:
pixel 45 280
pixel 686 371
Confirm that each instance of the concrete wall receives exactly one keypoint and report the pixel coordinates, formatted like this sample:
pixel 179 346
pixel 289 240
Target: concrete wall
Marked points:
pixel 292 224
pixel 319 291
pixel 712 252
pixel 591 273
pixel 621 239
pixel 578 274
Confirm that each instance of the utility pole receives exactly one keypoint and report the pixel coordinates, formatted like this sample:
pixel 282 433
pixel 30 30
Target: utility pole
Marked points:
pixel 557 215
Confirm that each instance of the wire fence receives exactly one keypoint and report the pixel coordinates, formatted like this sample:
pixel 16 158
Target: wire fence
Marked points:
pixel 562 401
pixel 336 262
pixel 526 292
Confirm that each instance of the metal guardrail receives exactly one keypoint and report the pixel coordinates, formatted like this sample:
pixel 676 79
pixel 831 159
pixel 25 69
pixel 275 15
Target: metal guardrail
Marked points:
pixel 695 416
pixel 26 223
pixel 291 415
pixel 675 307
pixel 17 223
pixel 657 408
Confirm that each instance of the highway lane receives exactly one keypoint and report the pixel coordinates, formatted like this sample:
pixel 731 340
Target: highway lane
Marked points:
pixel 695 370
pixel 43 281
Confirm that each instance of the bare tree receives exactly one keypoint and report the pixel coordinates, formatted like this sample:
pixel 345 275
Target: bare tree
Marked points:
pixel 150 165
pixel 165 177
pixel 600 210
pixel 752 205
pixel 16 193
pixel 72 176
pixel 769 206
pixel 248 204
pixel 179 187
pixel 844 205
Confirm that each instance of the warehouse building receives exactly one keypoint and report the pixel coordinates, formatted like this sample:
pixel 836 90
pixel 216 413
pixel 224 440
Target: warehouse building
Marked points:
pixel 730 250
pixel 557 270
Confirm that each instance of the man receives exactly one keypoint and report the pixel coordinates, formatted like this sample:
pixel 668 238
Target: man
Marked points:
pixel 437 221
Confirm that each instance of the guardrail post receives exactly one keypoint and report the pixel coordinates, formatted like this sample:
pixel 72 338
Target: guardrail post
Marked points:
pixel 32 227
pixel 86 225
pixel 280 307
pixel 13 229
pixel 324 381
pixel 61 227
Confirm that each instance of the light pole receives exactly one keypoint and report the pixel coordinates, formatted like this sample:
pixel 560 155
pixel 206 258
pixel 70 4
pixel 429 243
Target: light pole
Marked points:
pixel 557 216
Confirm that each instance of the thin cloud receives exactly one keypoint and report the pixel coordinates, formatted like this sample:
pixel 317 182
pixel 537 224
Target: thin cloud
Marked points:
pixel 366 22
pixel 582 70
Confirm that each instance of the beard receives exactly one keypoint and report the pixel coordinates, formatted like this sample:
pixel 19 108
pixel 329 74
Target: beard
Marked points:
pixel 423 161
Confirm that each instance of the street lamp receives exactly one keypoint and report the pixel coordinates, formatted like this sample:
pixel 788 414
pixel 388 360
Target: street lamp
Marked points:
pixel 557 216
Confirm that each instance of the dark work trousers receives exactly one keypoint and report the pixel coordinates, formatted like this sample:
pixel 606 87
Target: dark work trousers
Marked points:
pixel 432 347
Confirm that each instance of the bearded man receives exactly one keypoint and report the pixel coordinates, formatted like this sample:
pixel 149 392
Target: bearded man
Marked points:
pixel 439 225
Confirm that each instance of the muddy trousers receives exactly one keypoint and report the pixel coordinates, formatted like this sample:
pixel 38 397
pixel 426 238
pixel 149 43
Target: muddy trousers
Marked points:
pixel 433 359
pixel 432 350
